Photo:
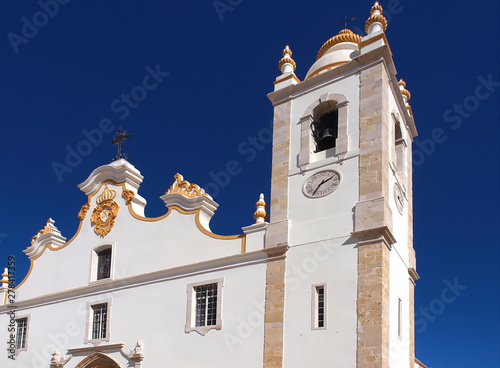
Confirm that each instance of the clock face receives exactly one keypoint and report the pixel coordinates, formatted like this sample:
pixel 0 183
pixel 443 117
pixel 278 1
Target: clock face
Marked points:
pixel 398 198
pixel 321 184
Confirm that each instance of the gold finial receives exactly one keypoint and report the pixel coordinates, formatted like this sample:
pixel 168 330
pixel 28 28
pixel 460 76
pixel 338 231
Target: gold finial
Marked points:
pixel 287 59
pixel 5 278
pixel 404 91
pixel 345 35
pixel 375 7
pixel 185 188
pixel 376 17
pixel 260 215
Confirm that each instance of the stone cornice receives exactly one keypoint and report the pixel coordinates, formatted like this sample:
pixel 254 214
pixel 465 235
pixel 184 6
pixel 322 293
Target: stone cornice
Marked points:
pixel 376 235
pixel 243 259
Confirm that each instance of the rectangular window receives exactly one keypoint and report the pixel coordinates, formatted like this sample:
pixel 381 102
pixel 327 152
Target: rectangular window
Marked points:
pixel 99 321
pixel 400 318
pixel 104 264
pixel 319 306
pixel 21 333
pixel 204 306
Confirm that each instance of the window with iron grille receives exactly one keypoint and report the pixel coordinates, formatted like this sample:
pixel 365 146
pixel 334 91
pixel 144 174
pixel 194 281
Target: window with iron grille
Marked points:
pixel 21 333
pixel 204 306
pixel 99 321
pixel 104 264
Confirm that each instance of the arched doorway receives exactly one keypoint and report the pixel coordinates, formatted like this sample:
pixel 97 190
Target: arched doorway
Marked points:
pixel 98 360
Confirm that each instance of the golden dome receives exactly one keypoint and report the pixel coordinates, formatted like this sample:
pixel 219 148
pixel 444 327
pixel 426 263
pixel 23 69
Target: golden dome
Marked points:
pixel 287 58
pixel 345 35
pixel 376 16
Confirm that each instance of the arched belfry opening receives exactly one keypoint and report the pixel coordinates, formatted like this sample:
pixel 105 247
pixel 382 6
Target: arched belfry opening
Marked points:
pixel 325 126
pixel 98 360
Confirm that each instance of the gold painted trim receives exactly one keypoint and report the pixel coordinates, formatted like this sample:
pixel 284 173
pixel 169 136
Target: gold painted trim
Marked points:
pixel 137 217
pixel 287 78
pixel 327 67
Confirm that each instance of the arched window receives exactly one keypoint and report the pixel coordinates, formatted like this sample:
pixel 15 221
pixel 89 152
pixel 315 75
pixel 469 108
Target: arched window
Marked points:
pixel 325 127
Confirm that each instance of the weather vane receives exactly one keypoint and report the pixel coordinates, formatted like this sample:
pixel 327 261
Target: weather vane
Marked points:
pixel 120 136
pixel 347 20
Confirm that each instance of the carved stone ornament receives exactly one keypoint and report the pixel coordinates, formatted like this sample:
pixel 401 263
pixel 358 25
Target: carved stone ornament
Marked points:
pixel 128 195
pixel 185 188
pixel 105 213
pixel 83 211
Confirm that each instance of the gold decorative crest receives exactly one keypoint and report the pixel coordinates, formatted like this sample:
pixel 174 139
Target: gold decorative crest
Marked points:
pixel 185 188
pixel 48 228
pixel 105 213
pixel 83 211
pixel 128 195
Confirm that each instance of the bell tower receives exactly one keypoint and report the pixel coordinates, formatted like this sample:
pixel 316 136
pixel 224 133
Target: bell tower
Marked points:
pixel 342 293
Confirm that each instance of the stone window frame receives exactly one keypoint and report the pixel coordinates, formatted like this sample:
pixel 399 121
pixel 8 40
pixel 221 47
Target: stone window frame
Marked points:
pixel 315 306
pixel 94 263
pixel 90 318
pixel 307 145
pixel 398 150
pixel 27 317
pixel 191 307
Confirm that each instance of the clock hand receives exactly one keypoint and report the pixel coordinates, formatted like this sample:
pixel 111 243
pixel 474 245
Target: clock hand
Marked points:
pixel 320 184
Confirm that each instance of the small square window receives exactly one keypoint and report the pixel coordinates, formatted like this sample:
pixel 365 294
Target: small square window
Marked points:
pixel 204 306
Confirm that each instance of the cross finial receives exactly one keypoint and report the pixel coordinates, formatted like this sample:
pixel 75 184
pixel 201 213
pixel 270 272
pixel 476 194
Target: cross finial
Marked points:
pixel 120 136
pixel 346 19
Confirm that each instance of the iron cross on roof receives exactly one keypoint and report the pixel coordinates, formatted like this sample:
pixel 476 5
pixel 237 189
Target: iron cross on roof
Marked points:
pixel 120 136
pixel 347 20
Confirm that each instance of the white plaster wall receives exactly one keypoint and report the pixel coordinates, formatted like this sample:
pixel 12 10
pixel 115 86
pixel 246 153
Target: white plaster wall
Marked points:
pixel 333 262
pixel 140 247
pixel 156 313
pixel 399 278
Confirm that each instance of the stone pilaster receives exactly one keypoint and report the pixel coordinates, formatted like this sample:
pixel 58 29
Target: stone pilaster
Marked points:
pixel 373 305
pixel 276 242
pixel 274 307
pixel 277 232
pixel 373 219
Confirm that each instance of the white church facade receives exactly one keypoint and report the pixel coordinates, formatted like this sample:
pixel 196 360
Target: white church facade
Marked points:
pixel 324 278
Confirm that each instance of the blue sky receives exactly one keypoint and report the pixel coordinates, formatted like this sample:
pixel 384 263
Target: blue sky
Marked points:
pixel 68 77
